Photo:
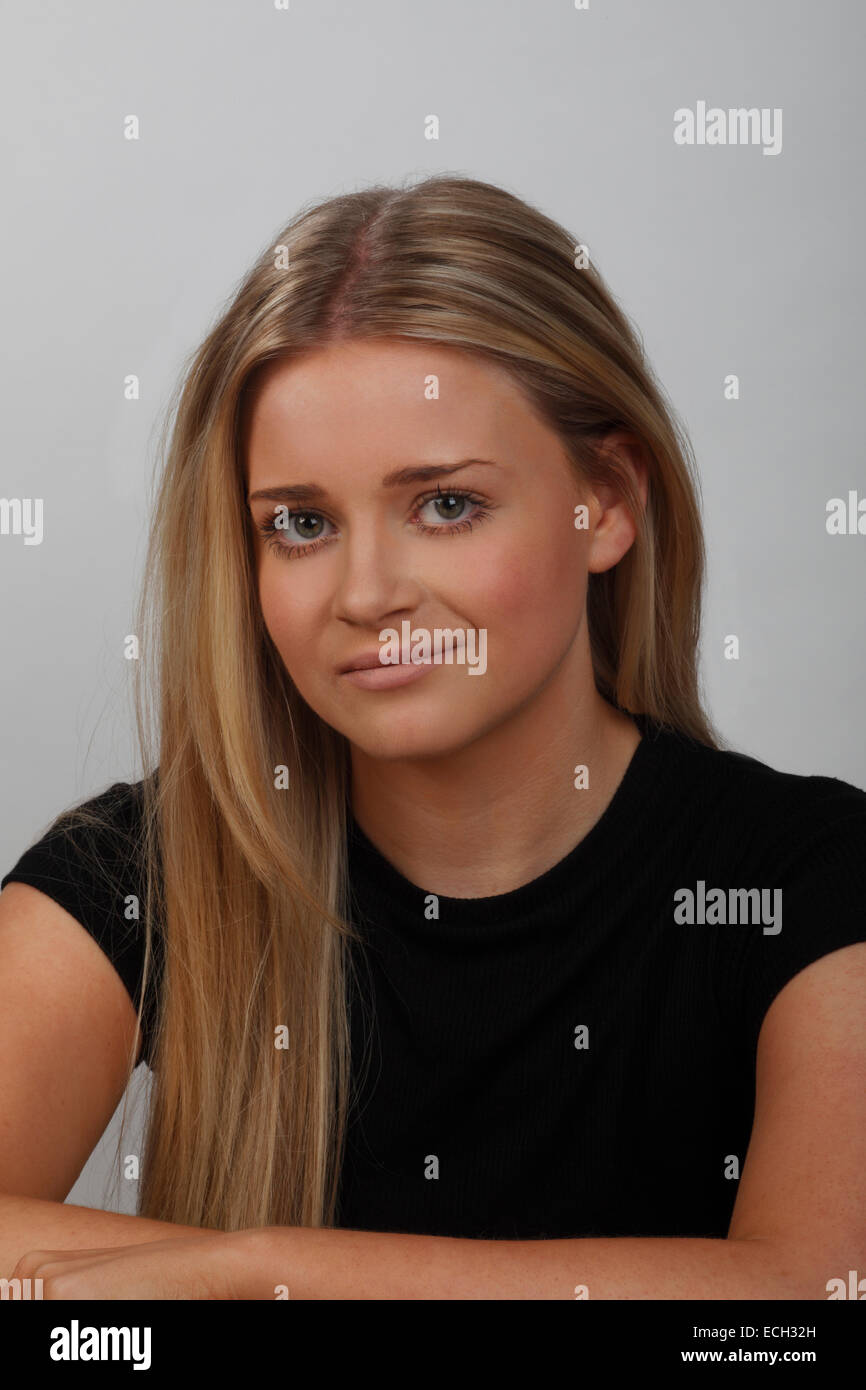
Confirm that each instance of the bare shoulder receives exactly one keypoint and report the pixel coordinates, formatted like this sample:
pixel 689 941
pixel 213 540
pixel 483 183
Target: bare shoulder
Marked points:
pixel 67 1024
pixel 804 1180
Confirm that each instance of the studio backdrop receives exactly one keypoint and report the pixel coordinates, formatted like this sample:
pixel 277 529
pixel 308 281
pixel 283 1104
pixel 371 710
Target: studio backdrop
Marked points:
pixel 705 157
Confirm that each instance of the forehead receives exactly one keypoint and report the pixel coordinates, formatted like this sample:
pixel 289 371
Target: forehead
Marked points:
pixel 362 359
pixel 374 391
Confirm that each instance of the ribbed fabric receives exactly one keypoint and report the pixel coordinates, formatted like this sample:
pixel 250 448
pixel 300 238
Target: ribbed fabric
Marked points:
pixel 474 1112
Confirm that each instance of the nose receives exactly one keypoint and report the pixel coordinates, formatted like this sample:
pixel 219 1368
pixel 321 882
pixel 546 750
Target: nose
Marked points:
pixel 375 576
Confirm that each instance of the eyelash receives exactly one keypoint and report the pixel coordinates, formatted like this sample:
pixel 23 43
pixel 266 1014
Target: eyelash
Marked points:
pixel 271 532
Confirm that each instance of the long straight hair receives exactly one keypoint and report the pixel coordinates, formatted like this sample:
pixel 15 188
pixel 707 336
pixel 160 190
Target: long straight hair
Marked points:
pixel 245 792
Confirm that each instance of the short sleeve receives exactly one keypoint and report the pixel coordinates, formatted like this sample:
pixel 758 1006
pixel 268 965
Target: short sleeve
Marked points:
pixel 93 870
pixel 814 903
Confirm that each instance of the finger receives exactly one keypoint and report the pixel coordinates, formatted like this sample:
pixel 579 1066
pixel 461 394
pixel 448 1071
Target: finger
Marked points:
pixel 35 1260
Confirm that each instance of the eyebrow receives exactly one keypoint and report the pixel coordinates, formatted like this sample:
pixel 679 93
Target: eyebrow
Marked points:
pixel 398 478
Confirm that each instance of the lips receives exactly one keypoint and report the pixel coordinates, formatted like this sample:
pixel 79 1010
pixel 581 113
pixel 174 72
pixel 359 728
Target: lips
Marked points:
pixel 362 662
pixel 365 661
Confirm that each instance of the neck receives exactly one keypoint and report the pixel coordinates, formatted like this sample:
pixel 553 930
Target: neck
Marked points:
pixel 501 812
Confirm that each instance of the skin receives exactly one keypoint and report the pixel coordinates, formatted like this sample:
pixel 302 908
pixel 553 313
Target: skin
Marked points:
pixel 498 750
pixel 465 783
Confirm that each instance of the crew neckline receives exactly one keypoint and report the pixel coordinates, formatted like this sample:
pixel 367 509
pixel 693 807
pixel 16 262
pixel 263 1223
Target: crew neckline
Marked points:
pixel 623 816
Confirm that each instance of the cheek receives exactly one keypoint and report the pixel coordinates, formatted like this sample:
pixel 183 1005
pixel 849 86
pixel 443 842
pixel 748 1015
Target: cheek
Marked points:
pixel 288 608
pixel 535 590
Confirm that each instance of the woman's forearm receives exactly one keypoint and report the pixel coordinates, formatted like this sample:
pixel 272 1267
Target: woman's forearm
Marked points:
pixel 338 1264
pixel 137 1258
pixel 30 1223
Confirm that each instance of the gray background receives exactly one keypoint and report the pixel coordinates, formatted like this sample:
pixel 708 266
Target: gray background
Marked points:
pixel 118 256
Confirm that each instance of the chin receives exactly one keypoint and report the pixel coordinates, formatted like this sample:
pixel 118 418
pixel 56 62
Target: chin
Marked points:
pixel 411 738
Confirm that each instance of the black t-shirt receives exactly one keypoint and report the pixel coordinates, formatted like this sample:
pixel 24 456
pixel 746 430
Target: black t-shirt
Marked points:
pixel 575 1057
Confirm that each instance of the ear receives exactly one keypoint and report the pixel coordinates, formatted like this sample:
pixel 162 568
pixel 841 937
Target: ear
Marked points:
pixel 626 453
pixel 613 529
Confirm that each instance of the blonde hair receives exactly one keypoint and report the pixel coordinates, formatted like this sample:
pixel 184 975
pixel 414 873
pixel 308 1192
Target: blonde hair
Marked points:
pixel 245 881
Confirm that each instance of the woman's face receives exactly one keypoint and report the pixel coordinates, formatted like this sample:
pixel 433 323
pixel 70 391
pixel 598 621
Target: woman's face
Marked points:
pixel 345 449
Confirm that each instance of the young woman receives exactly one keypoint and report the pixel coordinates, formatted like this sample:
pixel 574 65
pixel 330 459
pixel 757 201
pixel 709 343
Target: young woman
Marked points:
pixel 467 961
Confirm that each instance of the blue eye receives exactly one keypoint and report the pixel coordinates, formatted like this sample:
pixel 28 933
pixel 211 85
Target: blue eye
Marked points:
pixel 310 543
pixel 298 519
pixel 460 522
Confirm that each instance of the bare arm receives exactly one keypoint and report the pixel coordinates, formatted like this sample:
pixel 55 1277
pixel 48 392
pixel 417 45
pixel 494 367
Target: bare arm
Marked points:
pixel 66 1026
pixel 799 1220
pixel 339 1264
pixel 31 1223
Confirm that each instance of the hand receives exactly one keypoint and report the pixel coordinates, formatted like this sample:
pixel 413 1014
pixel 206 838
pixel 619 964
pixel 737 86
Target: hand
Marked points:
pixel 216 1265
